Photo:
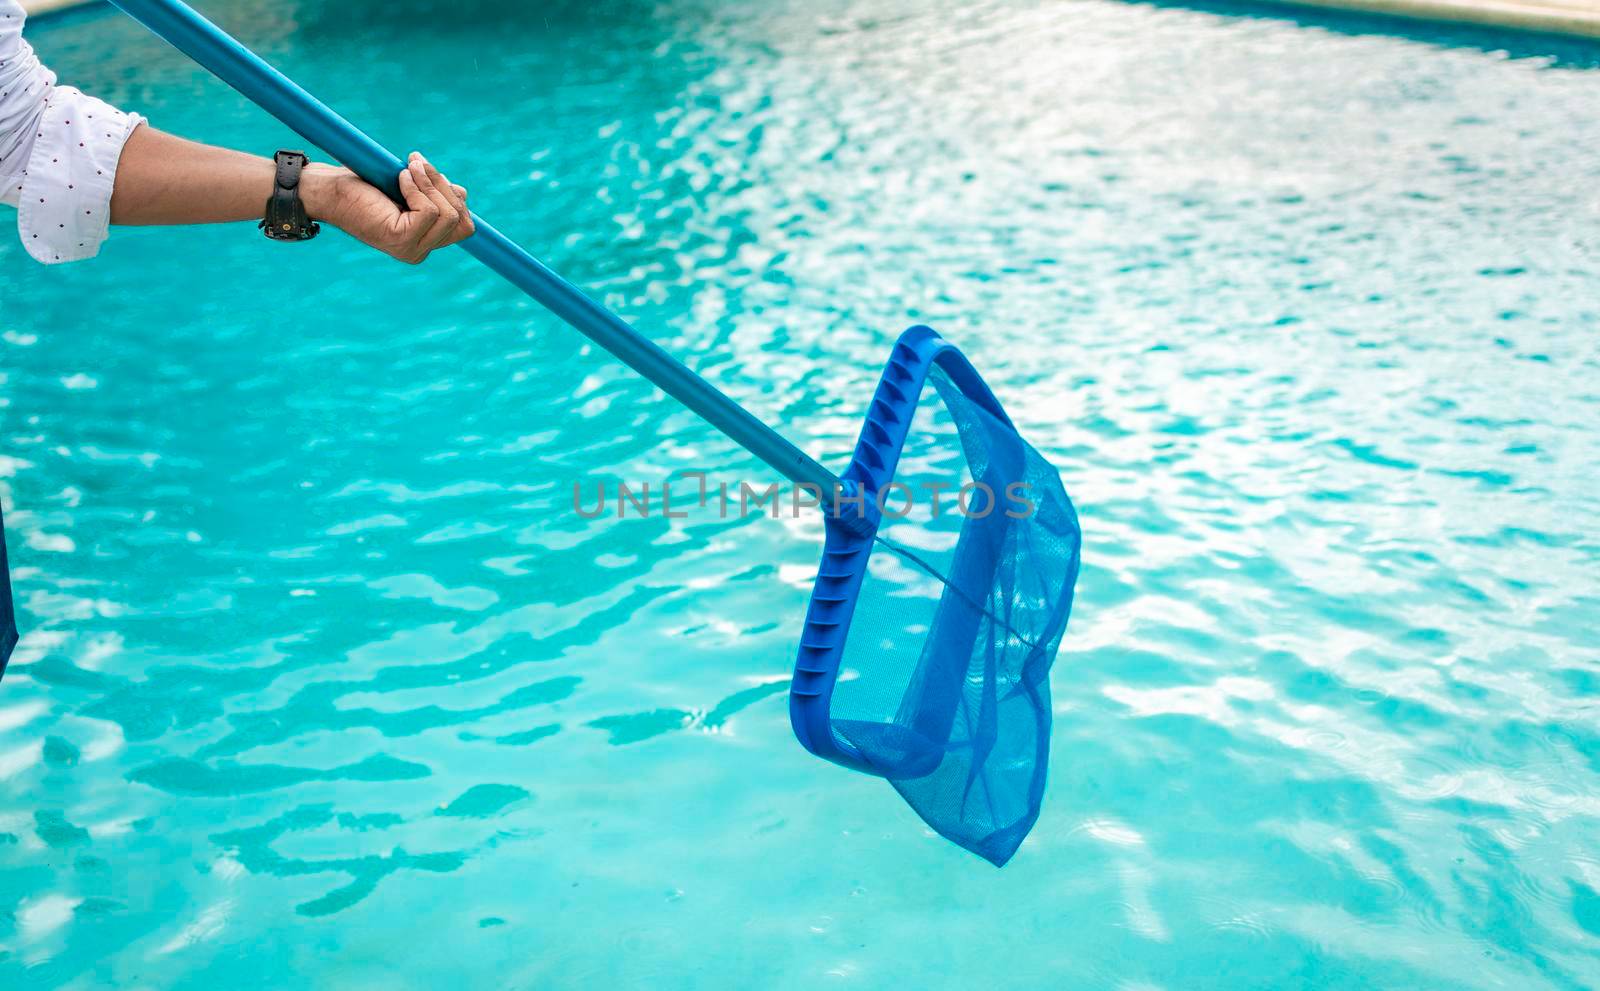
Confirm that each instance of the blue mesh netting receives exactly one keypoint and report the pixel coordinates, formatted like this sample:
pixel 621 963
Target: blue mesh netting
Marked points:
pixel 944 684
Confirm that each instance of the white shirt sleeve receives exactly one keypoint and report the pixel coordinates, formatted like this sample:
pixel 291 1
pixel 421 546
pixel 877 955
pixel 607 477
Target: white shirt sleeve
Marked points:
pixel 58 152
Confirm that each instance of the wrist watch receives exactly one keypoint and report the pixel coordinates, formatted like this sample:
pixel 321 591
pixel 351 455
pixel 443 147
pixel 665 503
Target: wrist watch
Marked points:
pixel 286 218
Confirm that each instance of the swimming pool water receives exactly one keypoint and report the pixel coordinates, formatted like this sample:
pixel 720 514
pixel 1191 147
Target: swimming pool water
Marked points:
pixel 325 685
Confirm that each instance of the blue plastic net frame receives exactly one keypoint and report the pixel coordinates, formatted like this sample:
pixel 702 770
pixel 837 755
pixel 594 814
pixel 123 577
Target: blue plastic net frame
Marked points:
pixel 967 745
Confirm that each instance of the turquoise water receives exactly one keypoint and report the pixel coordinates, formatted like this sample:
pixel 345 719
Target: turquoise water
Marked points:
pixel 325 685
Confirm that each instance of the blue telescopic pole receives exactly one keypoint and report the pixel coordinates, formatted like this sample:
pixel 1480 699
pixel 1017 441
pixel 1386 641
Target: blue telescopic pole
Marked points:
pixel 191 33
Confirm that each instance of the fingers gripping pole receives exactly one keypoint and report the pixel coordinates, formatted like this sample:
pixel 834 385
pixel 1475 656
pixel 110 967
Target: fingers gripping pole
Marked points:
pixel 214 49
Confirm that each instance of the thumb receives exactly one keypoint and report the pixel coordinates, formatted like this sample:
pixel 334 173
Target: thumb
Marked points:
pixel 420 211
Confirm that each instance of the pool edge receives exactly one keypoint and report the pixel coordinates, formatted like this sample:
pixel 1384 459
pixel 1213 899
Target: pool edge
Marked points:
pixel 41 9
pixel 1510 14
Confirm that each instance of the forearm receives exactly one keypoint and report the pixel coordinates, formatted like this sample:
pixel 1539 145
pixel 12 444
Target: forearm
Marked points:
pixel 165 179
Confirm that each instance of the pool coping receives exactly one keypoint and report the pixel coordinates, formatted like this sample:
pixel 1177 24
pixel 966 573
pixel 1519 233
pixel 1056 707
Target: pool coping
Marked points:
pixel 38 7
pixel 1580 18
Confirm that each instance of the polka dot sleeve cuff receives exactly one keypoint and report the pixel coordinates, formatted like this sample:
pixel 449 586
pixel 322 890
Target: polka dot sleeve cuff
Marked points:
pixel 64 196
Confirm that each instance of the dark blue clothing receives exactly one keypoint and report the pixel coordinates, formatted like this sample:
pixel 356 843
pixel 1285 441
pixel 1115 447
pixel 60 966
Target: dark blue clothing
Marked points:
pixel 8 620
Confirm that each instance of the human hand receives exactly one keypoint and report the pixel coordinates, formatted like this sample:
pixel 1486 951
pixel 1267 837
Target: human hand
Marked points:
pixel 436 212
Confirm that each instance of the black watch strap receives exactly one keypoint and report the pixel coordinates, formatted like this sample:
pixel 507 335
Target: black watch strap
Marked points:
pixel 286 218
